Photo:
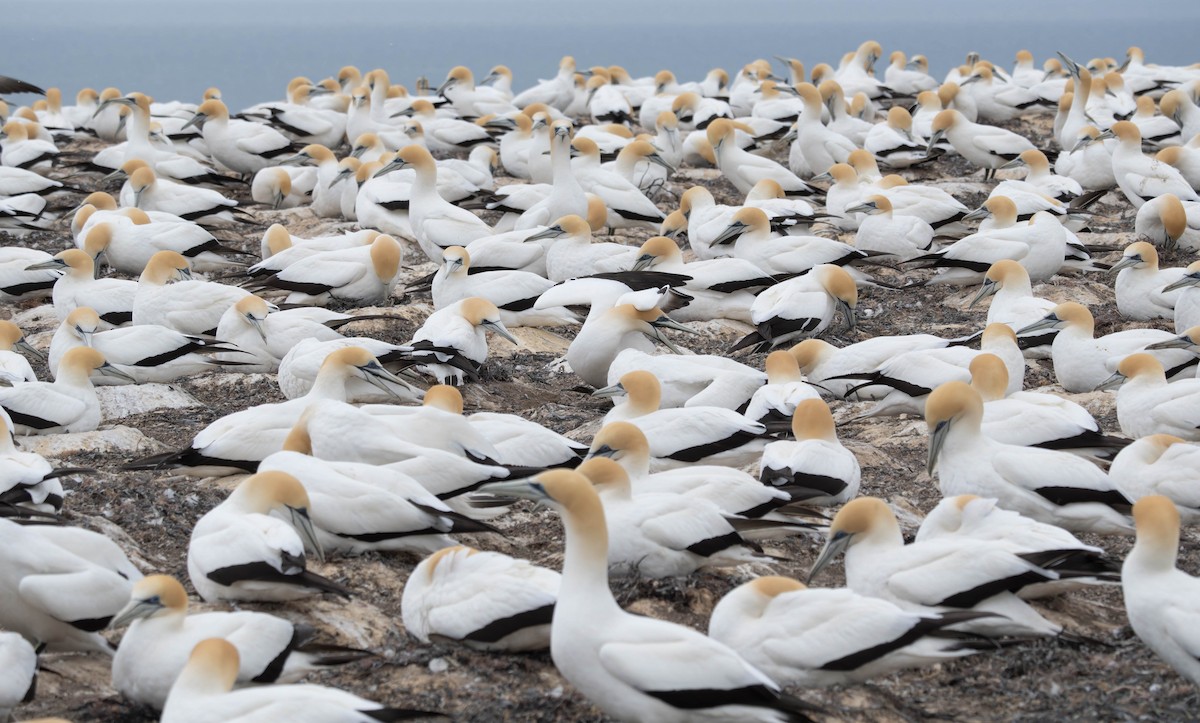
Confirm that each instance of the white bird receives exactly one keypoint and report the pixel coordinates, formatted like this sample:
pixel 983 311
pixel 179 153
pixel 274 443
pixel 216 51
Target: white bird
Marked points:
pixel 78 286
pixel 883 232
pixel 53 596
pixel 299 368
pixel 17 282
pixel 1160 464
pixel 690 380
pixel 146 353
pixel 908 77
pixel 19 150
pixel 1014 304
pixel 452 343
pixel 572 253
pixel 1082 362
pixel 167 295
pixel 910 376
pixel 736 493
pixel 814 468
pixel 358 507
pixel 749 232
pixel 627 206
pixel 816 637
pixel 1160 598
pixel 604 337
pixel 774 403
pixel 361 274
pixel 819 146
pixel 127 240
pixel 1147 404
pixel 190 203
pixel 968 517
pixel 241 146
pixel 203 693
pixel 1168 222
pixel 19 661
pixel 745 169
pixel 1087 159
pixel 1039 245
pixel 69 404
pixel 1140 177
pixel 720 288
pixel 1034 419
pixel 161 636
pixel 238 442
pixel 481 599
pixel 893 142
pixel 1141 285
pixel 565 195
pixel 801 307
pixel 436 222
pixel 251 546
pixel 13 366
pixel 27 480
pixel 1046 485
pixel 935 575
pixel 681 436
pixel 513 292
pixel 983 145
pixel 637 668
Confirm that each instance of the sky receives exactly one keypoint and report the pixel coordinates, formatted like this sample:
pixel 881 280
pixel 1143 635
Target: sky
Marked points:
pixel 252 48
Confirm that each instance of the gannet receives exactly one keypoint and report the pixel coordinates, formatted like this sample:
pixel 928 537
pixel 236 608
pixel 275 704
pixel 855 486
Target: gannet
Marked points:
pixel 436 223
pixel 361 274
pixel 1087 159
pixel 162 634
pixel 1147 404
pixel 144 353
pixel 483 600
pixel 203 693
pixel 820 637
pixel 735 492
pixel 1046 485
pixel 1179 105
pixel 452 344
pixel 983 145
pixel 238 442
pixel 53 596
pixel 251 546
pixel 968 517
pixel 626 664
pixel 69 404
pixel 359 507
pixel 13 366
pixel 746 169
pixel 1033 419
pixel 693 379
pixel 1160 464
pixel 720 288
pixel 111 298
pixel 167 295
pixel 908 77
pixel 19 150
pixel 1140 177
pixel 1014 304
pixel 1039 245
pixel 820 147
pixel 1158 596
pixel 275 188
pixel 749 232
pixel 814 468
pixel 602 338
pixel 191 203
pixel 126 241
pixel 1187 305
pixel 893 142
pixel 1082 362
pixel 241 146
pixel 627 206
pixel 680 436
pixel 1141 285
pixel 883 232
pixel 513 292
pixel 774 403
pixel 934 575
pixel 801 307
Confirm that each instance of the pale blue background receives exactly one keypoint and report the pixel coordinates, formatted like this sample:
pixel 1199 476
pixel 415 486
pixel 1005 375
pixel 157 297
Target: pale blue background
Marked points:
pixel 251 48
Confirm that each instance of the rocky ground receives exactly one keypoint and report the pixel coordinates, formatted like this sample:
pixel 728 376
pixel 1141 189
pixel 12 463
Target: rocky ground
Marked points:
pixel 1112 678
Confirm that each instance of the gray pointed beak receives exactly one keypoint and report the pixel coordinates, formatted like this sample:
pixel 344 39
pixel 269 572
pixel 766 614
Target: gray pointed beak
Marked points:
pixel 258 326
pixel 137 197
pixel 1125 263
pixel 937 440
pixel 867 207
pixel 278 200
pixel 442 88
pixel 109 370
pixel 1105 135
pixel 1014 163
pixel 1114 381
pixel 342 174
pixel 1189 280
pixel 731 233
pixel 660 161
pixel 376 375
pixel 979 213
pixel 29 348
pixel 1182 341
pixel 499 328
pixel 358 151
pixel 135 610
pixel 612 390
pixel 834 547
pixel 525 489
pixel 666 322
pixel 643 262
pixel 986 289
pixel 196 120
pixel 303 524
pixel 51 265
pixel 848 312
pixel 549 232
pixel 85 336
pixel 300 159
pixel 1049 322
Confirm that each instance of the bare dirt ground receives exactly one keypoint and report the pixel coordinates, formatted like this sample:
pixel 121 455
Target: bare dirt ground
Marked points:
pixel 1114 678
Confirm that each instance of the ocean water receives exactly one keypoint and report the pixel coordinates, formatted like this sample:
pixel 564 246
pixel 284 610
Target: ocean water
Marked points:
pixel 174 49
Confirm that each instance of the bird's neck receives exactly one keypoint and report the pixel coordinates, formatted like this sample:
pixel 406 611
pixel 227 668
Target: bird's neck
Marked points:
pixel 585 563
